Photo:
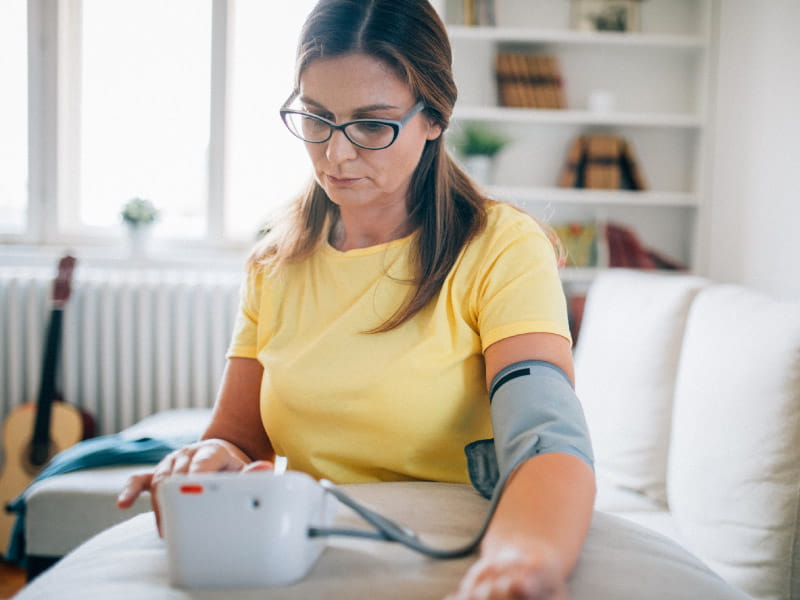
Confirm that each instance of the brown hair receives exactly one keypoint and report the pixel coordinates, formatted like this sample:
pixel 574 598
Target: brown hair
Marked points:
pixel 443 204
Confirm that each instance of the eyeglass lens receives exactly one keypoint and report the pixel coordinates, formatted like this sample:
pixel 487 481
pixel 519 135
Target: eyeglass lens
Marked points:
pixel 370 134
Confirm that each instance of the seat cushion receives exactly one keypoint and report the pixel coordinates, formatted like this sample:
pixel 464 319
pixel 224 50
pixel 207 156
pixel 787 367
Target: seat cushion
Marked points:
pixel 636 507
pixel 64 510
pixel 734 469
pixel 626 361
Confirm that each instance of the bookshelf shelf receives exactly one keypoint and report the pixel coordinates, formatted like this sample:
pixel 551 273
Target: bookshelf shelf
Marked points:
pixel 554 36
pixel 654 81
pixel 523 195
pixel 576 117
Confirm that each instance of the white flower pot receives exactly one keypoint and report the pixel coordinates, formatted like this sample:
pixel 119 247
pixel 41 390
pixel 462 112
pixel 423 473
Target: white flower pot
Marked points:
pixel 480 167
pixel 138 240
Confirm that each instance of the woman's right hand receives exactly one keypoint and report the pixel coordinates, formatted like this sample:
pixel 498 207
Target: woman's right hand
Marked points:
pixel 201 457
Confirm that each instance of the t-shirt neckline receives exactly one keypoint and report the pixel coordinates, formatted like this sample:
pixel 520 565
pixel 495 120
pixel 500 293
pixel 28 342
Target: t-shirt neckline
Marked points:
pixel 368 250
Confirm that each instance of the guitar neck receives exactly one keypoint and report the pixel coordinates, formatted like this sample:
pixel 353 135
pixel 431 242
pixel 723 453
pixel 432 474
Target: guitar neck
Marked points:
pixel 47 389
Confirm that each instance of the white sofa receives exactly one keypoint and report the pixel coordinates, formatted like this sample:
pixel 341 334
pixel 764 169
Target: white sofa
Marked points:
pixel 692 392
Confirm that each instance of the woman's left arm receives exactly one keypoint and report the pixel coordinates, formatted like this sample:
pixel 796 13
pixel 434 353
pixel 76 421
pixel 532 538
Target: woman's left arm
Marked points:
pixel 538 530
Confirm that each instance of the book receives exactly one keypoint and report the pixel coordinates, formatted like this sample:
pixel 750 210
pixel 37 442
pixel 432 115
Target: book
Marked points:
pixel 625 249
pixel 571 175
pixel 632 177
pixel 553 68
pixel 470 12
pixel 504 73
pixel 500 73
pixel 538 81
pixel 523 93
pixel 485 13
pixel 580 242
pixel 602 162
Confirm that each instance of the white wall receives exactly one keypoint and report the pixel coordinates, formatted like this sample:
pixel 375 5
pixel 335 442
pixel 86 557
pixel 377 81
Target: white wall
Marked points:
pixel 754 231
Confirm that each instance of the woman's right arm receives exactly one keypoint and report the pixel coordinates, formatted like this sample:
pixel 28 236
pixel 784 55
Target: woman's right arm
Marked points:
pixel 237 412
pixel 234 440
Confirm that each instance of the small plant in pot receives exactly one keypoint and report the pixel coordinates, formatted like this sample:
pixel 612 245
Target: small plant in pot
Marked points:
pixel 138 215
pixel 139 212
pixel 478 145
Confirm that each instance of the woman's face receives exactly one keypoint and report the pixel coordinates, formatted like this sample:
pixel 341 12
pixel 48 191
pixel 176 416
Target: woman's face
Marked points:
pixel 358 86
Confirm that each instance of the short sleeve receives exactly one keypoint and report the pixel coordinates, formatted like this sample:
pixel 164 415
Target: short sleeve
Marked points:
pixel 518 289
pixel 244 339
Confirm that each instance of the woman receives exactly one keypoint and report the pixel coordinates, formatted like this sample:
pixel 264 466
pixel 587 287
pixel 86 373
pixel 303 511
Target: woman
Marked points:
pixel 375 317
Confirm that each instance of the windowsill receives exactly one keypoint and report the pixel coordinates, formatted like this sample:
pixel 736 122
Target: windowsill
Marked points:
pixel 159 256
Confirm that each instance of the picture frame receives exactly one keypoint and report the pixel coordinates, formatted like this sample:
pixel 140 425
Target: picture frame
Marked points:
pixel 606 15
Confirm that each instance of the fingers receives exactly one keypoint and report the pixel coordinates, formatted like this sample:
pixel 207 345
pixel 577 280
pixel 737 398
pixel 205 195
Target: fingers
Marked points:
pixel 213 456
pixel 163 470
pixel 508 588
pixel 259 465
pixel 146 482
pixel 135 485
pixel 512 577
pixel 201 457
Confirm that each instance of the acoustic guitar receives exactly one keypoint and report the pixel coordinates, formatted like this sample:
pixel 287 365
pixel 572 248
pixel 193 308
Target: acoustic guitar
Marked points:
pixel 34 432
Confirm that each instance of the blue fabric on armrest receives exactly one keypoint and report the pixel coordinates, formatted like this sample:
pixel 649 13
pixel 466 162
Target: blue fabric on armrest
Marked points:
pixel 103 451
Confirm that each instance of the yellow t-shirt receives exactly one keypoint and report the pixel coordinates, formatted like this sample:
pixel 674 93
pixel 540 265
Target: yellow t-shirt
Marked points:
pixel 357 407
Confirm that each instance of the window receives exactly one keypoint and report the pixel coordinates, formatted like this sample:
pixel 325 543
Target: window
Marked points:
pixel 172 101
pixel 13 116
pixel 265 166
pixel 143 113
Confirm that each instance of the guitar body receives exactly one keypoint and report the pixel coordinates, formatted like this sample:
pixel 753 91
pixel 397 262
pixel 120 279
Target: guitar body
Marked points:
pixel 35 432
pixel 18 470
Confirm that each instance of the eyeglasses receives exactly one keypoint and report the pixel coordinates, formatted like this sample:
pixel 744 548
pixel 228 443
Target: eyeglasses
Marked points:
pixel 370 134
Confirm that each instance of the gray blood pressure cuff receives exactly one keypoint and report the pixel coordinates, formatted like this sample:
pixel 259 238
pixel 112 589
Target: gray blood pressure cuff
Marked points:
pixel 534 411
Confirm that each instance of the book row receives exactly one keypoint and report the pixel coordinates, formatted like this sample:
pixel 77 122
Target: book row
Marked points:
pixel 604 245
pixel 529 81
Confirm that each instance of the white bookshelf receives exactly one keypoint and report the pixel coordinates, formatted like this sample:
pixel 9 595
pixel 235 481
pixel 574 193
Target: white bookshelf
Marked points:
pixel 659 78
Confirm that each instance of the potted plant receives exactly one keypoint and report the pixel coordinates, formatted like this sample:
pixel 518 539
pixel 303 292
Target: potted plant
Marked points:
pixel 478 145
pixel 138 214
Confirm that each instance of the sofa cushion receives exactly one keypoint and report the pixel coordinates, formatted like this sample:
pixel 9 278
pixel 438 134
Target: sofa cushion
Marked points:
pixel 626 361
pixel 734 470
pixel 619 561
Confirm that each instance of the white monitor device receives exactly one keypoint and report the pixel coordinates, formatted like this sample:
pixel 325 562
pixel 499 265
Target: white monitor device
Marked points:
pixel 242 529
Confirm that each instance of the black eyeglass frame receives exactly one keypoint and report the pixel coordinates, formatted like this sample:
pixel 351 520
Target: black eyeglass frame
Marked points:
pixel 396 126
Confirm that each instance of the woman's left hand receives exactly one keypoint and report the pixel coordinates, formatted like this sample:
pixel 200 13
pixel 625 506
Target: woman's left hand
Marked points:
pixel 514 573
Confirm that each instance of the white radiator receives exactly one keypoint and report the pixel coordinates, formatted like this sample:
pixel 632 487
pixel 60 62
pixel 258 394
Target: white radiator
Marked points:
pixel 134 341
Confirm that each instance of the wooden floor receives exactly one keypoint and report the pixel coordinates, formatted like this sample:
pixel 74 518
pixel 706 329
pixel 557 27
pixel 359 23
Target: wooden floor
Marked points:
pixel 12 579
